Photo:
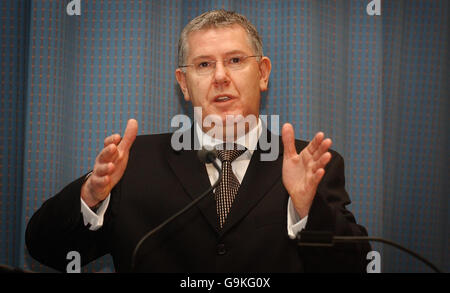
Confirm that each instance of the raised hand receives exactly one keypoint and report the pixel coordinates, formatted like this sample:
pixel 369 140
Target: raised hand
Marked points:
pixel 109 166
pixel 301 173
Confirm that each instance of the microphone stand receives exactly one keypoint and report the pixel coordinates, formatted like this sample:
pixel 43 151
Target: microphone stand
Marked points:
pixel 327 239
pixel 189 206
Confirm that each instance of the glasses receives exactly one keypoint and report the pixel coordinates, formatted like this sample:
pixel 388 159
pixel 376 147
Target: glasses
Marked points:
pixel 207 67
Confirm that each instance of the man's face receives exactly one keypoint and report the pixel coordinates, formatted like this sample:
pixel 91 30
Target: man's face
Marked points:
pixel 242 87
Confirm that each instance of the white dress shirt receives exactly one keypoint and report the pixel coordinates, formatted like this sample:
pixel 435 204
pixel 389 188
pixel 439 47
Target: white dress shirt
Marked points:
pixel 239 167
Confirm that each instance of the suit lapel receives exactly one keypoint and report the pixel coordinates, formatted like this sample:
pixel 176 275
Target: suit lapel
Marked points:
pixel 259 179
pixel 194 179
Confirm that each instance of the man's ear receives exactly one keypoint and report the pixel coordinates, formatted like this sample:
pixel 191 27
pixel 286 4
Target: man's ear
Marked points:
pixel 265 66
pixel 181 79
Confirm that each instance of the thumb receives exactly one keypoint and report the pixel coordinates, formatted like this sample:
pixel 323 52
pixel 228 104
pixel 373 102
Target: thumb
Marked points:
pixel 288 138
pixel 129 136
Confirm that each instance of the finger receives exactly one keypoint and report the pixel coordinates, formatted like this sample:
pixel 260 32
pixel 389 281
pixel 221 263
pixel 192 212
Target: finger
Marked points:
pixel 103 169
pixel 99 183
pixel 129 136
pixel 108 154
pixel 314 144
pixel 318 176
pixel 115 139
pixel 288 138
pixel 322 162
pixel 323 147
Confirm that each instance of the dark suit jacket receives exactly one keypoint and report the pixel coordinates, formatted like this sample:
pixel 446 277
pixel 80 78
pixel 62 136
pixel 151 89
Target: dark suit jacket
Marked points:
pixel 159 181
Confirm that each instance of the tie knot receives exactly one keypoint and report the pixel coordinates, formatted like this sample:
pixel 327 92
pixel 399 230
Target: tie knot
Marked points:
pixel 230 152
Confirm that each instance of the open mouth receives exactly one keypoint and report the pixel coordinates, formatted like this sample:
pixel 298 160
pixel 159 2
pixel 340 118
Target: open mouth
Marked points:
pixel 222 99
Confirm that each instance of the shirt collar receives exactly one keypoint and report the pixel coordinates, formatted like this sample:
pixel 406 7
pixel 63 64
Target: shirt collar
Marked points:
pixel 249 141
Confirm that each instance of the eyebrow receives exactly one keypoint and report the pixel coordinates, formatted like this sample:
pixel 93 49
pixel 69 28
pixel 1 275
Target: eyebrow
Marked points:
pixel 226 54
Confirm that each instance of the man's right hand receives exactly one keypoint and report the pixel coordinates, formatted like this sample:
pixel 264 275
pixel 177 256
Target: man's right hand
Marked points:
pixel 109 166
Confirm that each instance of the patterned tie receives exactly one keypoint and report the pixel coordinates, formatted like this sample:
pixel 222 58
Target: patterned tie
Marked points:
pixel 229 185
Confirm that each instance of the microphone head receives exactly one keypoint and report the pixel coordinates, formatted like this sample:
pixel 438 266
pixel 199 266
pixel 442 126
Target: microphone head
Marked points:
pixel 207 156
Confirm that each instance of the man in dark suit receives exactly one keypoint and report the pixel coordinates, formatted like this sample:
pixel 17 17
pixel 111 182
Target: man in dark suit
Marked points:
pixel 249 223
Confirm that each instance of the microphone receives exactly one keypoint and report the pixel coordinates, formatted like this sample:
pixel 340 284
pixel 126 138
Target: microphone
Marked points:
pixel 205 156
pixel 327 239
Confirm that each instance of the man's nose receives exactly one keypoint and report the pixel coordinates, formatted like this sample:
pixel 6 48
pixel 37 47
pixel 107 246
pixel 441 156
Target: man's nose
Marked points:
pixel 221 74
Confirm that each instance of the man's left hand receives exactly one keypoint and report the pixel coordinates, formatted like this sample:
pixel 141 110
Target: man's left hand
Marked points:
pixel 302 172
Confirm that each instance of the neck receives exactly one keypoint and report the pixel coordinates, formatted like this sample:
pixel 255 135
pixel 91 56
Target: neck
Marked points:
pixel 229 131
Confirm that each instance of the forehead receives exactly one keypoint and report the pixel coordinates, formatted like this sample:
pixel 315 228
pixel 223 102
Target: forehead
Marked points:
pixel 218 41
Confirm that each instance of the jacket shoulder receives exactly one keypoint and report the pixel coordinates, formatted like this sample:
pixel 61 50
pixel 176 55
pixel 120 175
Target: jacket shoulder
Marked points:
pixel 151 141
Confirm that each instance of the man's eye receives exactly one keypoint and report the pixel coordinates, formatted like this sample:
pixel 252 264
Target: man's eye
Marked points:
pixel 203 64
pixel 235 60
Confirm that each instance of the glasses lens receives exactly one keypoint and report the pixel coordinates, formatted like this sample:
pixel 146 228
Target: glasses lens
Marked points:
pixel 204 67
pixel 232 63
pixel 235 62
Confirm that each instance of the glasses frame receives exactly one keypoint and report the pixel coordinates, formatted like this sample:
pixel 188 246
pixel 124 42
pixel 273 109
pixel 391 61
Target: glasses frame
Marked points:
pixel 214 62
